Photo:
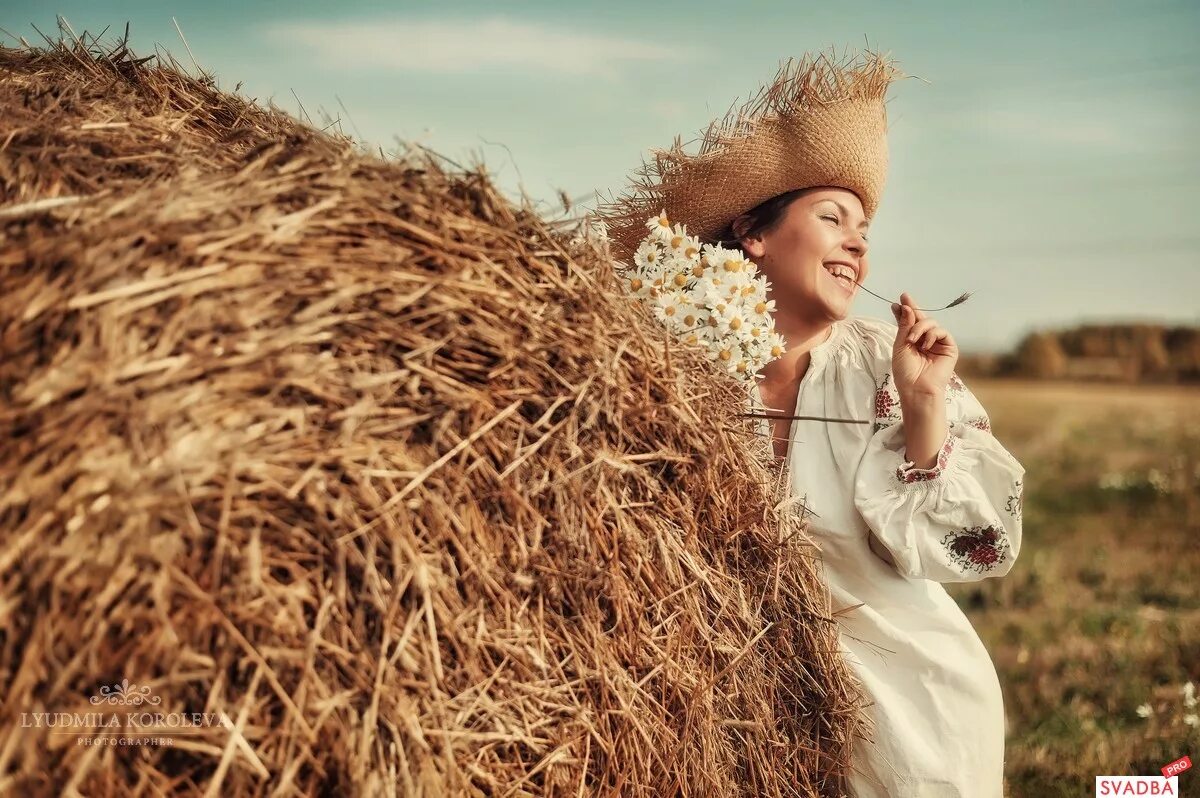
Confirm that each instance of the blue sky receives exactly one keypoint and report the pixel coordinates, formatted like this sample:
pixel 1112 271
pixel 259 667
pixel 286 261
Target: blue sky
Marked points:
pixel 1041 162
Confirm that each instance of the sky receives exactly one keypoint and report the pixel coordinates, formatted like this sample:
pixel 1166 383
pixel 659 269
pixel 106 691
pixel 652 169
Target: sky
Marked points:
pixel 1038 158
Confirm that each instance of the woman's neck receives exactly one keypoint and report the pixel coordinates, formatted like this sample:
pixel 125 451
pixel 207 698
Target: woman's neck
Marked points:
pixel 801 338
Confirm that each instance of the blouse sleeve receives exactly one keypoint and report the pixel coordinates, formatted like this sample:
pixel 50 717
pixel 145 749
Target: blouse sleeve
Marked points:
pixel 959 521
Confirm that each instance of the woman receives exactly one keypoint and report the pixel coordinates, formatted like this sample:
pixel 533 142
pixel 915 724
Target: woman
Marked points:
pixel 920 494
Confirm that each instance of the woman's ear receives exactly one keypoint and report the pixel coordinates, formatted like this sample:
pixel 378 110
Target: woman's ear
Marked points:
pixel 752 246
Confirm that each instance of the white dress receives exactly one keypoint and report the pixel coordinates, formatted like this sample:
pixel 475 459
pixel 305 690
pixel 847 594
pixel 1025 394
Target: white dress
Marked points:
pixel 937 706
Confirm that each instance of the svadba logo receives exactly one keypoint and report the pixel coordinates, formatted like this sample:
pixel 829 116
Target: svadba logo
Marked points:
pixel 1117 786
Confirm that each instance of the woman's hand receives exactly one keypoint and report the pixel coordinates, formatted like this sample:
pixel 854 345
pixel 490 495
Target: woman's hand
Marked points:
pixel 921 367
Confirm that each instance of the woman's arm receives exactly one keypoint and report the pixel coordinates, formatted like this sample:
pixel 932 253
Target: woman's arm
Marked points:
pixel 925 427
pixel 956 521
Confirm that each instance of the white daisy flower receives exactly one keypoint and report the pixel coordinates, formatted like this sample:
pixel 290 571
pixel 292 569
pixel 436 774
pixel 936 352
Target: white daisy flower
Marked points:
pixel 684 246
pixel 1145 711
pixel 637 285
pixel 764 307
pixel 778 345
pixel 734 262
pixel 734 321
pixel 675 277
pixel 713 255
pixel 669 307
pixel 648 255
pixel 757 361
pixel 660 222
pixel 707 293
pixel 659 227
pixel 756 333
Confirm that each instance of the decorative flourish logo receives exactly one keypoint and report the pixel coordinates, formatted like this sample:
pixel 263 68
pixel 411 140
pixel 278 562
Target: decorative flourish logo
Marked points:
pixel 134 723
pixel 126 695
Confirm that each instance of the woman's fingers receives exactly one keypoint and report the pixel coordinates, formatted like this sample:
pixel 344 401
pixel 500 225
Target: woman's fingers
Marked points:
pixel 919 329
pixel 923 332
pixel 907 299
pixel 936 339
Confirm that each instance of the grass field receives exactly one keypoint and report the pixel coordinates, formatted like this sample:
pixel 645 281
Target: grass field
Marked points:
pixel 1096 630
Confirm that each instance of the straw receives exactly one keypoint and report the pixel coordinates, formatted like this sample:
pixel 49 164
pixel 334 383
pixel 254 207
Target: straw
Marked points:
pixel 379 465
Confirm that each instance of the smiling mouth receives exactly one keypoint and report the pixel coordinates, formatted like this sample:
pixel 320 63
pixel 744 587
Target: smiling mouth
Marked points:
pixel 846 283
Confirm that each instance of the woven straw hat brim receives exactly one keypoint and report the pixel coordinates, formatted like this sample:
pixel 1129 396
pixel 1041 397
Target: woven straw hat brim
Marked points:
pixel 819 122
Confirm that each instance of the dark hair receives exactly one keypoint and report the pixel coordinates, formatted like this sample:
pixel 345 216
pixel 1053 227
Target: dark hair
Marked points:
pixel 762 217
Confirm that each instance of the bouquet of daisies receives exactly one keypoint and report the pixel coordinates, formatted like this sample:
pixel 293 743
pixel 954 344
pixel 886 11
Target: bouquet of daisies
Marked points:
pixel 708 296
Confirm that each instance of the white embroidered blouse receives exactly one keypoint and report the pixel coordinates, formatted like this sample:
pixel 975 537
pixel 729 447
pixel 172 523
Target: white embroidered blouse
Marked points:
pixel 889 535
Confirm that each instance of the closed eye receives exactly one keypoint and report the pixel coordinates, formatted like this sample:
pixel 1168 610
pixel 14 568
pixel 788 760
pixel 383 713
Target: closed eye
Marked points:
pixel 835 221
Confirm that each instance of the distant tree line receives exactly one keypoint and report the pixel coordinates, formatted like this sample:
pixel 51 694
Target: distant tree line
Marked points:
pixel 1110 352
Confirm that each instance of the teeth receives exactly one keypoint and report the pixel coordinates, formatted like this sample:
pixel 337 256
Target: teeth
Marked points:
pixel 842 274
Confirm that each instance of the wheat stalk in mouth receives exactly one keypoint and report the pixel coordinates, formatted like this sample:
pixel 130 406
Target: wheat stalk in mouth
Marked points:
pixel 961 299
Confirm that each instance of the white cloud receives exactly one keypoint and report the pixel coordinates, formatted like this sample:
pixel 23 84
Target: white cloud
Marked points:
pixel 466 45
pixel 1050 125
pixel 668 108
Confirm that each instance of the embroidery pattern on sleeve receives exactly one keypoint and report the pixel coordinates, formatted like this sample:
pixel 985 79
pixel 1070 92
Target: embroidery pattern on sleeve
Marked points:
pixel 1016 501
pixel 977 548
pixel 955 387
pixel 887 404
pixel 907 474
pixel 979 422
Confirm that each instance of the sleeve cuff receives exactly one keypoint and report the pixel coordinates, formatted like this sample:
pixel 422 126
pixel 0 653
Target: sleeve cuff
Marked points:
pixel 907 473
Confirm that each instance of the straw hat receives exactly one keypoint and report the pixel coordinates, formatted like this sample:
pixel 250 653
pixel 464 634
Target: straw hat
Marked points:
pixel 818 123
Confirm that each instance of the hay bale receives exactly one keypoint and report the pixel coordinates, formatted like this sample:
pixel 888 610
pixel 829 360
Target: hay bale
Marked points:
pixel 1040 355
pixel 379 470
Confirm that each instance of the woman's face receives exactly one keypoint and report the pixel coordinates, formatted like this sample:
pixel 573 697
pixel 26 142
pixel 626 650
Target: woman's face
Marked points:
pixel 822 231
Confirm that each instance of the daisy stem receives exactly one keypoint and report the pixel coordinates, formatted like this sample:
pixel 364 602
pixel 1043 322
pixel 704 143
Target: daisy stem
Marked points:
pixel 805 418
